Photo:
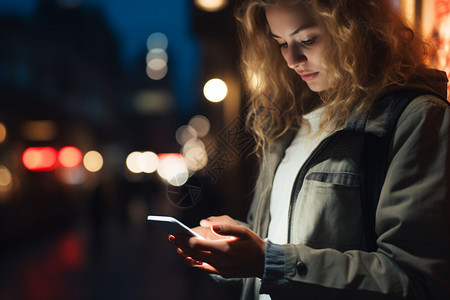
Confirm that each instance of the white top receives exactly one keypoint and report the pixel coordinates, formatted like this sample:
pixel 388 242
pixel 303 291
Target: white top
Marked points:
pixel 295 156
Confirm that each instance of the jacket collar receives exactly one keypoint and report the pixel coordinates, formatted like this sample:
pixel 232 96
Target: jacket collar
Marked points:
pixel 375 121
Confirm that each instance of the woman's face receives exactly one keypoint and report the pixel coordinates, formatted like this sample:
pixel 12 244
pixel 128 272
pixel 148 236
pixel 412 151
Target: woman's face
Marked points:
pixel 300 41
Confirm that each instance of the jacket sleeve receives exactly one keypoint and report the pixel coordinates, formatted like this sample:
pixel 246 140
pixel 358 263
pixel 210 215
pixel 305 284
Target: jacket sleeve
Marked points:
pixel 412 223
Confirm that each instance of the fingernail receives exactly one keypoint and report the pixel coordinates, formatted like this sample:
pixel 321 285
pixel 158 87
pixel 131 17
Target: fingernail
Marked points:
pixel 217 228
pixel 199 262
pixel 171 239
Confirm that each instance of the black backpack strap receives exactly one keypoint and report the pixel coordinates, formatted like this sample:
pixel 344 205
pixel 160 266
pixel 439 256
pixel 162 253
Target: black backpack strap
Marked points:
pixel 375 162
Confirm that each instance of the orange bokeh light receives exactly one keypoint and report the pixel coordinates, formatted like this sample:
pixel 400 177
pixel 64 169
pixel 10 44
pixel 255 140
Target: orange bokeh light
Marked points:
pixel 69 157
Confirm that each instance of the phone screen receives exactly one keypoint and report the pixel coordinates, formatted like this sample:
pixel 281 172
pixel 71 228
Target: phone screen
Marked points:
pixel 172 226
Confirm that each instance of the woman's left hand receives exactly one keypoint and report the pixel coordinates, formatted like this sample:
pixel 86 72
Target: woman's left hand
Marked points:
pixel 239 254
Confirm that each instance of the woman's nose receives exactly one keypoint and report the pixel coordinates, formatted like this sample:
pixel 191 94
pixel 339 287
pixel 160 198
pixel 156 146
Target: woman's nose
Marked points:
pixel 295 57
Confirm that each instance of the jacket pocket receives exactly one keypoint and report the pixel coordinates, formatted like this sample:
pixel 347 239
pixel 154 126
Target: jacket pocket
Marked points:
pixel 328 212
pixel 345 179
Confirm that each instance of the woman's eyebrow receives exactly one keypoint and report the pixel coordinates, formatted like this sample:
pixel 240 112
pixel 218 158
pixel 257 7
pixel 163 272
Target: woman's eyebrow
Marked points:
pixel 301 28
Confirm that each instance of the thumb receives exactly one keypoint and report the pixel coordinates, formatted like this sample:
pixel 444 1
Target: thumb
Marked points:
pixel 208 222
pixel 231 230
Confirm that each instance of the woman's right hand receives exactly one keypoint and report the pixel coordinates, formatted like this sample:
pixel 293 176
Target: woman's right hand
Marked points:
pixel 228 250
pixel 206 224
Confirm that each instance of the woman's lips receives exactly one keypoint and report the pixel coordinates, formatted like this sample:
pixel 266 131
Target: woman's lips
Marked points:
pixel 308 76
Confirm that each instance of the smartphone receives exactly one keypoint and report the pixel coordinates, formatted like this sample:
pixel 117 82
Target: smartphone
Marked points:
pixel 172 225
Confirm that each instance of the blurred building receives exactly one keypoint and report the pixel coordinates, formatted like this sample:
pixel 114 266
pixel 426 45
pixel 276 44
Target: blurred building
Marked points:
pixel 59 67
pixel 63 83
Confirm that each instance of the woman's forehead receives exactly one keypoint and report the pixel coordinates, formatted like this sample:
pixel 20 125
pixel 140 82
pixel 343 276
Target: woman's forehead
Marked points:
pixel 289 18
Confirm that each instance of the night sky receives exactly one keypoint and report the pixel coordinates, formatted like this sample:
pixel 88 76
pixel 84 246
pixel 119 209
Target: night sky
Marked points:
pixel 132 22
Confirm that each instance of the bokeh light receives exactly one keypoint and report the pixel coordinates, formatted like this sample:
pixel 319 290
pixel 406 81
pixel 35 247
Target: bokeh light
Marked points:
pixel 153 101
pixel 93 161
pixel 156 53
pixel 157 58
pixel 211 5
pixel 157 40
pixel 156 64
pixel 215 90
pixel 142 162
pixel 40 158
pixel 172 168
pixel 42 130
pixel 150 162
pixel 201 125
pixel 156 74
pixel 6 179
pixel 2 132
pixel 195 154
pixel 132 162
pixel 69 157
pixel 185 133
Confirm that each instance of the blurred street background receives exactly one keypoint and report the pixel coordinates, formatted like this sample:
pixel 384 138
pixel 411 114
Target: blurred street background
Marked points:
pixel 104 119
pixel 111 110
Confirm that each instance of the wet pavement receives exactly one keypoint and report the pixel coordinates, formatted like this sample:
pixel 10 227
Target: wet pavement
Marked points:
pixel 113 262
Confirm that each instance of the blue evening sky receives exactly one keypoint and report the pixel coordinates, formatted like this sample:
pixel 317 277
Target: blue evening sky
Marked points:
pixel 132 21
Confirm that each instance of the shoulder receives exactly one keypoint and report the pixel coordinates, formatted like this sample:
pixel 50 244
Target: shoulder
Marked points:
pixel 426 107
pixel 425 122
pixel 424 102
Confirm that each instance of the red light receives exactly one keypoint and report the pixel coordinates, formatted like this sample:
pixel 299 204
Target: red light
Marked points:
pixel 162 156
pixel 40 158
pixel 69 157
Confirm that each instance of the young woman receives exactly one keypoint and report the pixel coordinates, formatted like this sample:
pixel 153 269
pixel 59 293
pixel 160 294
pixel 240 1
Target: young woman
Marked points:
pixel 322 76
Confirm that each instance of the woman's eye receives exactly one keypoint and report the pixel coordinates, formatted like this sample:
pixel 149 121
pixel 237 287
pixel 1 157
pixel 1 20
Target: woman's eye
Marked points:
pixel 309 42
pixel 282 45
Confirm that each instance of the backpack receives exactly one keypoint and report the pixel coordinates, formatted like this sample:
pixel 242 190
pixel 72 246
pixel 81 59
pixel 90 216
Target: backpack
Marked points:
pixel 375 162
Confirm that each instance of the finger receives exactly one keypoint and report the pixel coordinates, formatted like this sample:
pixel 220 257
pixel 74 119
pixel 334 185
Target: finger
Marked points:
pixel 203 250
pixel 205 223
pixel 238 231
pixel 187 255
pixel 193 243
pixel 184 241
pixel 180 252
pixel 198 255
pixel 190 262
pixel 171 239
pixel 208 222
pixel 196 247
pixel 207 268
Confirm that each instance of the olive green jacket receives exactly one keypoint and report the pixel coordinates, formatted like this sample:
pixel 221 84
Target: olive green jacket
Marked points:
pixel 326 256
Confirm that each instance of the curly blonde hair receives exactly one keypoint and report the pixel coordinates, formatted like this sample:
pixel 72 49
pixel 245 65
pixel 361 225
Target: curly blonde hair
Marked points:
pixel 369 47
